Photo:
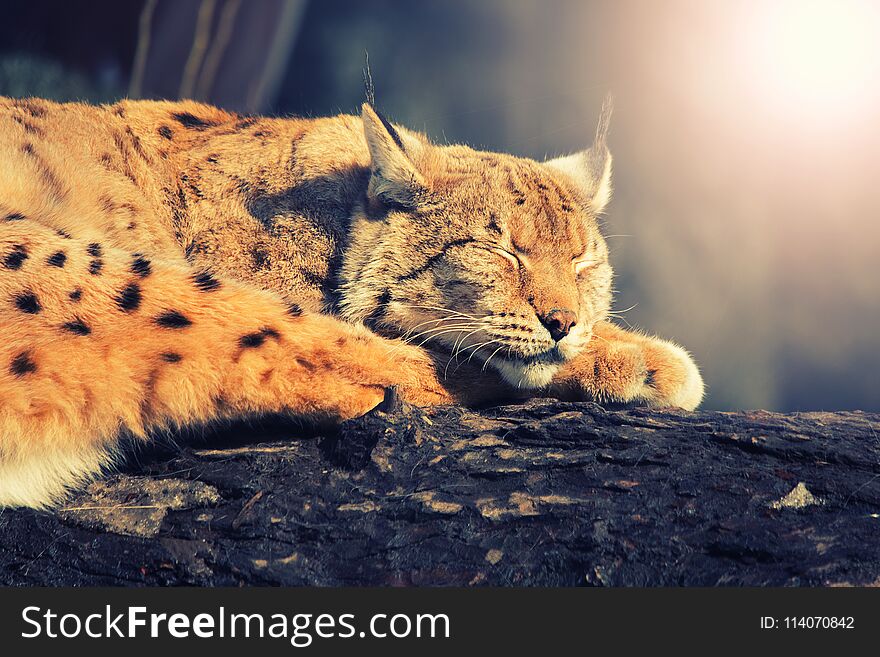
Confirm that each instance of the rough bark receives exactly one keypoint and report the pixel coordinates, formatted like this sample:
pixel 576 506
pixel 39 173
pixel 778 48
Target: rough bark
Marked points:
pixel 545 493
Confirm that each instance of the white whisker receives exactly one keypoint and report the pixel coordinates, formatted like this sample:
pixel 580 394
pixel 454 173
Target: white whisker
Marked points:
pixel 432 321
pixel 444 310
pixel 486 364
pixel 438 329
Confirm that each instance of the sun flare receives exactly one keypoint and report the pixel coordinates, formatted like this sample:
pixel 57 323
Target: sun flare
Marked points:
pixel 816 56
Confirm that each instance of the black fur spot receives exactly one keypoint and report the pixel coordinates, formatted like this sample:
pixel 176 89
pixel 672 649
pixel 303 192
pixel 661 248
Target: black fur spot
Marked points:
pixel 194 249
pixel 136 144
pixel 94 250
pixel 171 357
pixel 30 106
pixel 15 216
pixel 107 203
pixel 188 120
pixel 166 132
pixel 261 258
pixel 57 259
pixel 53 184
pixel 95 266
pixel 312 278
pixel 23 364
pixel 173 319
pixel 206 282
pixel 252 340
pixel 63 233
pixel 197 190
pixel 130 298
pixel 141 266
pixel 294 310
pixel 15 259
pixel 77 327
pixel 27 302
pixel 76 295
pixel 29 127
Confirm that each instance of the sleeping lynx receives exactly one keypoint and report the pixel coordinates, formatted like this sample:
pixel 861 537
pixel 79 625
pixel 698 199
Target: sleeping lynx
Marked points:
pixel 167 264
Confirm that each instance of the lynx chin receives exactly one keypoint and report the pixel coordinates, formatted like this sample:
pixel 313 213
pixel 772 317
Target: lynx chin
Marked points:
pixel 167 264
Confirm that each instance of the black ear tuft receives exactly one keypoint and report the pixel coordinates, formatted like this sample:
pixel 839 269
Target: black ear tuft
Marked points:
pixel 604 126
pixel 591 169
pixel 369 89
pixel 370 93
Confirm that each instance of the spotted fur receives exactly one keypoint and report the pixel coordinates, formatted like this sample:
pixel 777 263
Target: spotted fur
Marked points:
pixel 184 264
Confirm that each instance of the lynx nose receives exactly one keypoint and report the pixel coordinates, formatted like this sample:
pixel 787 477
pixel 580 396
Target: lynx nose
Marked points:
pixel 559 322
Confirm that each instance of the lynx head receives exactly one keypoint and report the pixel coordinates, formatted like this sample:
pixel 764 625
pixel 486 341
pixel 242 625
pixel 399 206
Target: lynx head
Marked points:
pixel 491 257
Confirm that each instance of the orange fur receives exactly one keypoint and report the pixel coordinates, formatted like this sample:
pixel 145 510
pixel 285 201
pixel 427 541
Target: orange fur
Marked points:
pixel 150 253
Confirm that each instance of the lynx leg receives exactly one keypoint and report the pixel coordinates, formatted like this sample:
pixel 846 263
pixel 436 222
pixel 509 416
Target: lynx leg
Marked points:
pixel 627 367
pixel 98 342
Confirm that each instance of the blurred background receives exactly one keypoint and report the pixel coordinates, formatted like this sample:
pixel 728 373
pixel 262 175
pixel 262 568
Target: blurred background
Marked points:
pixel 746 218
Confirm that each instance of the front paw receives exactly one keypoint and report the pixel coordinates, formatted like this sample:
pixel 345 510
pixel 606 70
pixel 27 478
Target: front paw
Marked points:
pixel 672 377
pixel 649 372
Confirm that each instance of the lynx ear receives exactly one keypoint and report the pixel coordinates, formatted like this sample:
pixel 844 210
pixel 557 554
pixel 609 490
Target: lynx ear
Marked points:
pixel 591 169
pixel 394 178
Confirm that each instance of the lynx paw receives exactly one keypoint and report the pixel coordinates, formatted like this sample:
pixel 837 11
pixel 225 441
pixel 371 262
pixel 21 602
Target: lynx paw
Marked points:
pixel 649 372
pixel 672 377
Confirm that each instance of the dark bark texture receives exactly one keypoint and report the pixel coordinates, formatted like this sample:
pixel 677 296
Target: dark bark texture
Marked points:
pixel 545 493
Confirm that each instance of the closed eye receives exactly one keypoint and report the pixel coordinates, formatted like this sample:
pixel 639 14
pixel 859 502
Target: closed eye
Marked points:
pixel 507 255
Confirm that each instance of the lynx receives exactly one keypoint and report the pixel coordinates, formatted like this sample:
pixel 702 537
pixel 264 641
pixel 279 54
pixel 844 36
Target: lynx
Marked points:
pixel 169 264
